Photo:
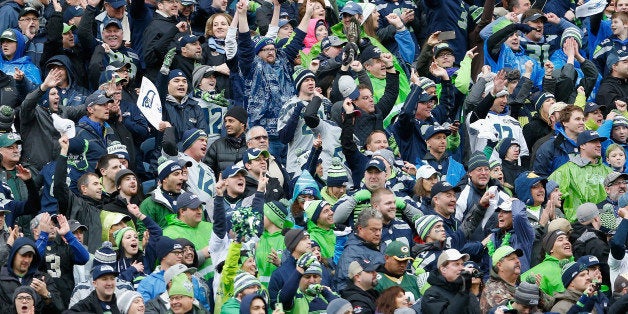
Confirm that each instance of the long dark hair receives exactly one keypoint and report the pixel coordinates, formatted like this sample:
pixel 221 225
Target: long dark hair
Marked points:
pixel 388 298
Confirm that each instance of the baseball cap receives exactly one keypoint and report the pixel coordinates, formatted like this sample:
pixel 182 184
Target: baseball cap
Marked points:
pixel 332 41
pixel 8 139
pixel 117 65
pixel 588 136
pixel 505 206
pixel 451 255
pixel 116 4
pixel 504 251
pixel 613 58
pixel 348 88
pixel 591 106
pixel 177 269
pixel 76 225
pixel 361 265
pixel 26 249
pixel 376 163
pixel 441 47
pixel 232 171
pixel 531 18
pixel 614 176
pixel 426 171
pixel 351 8
pixel 97 98
pixel 8 35
pixel 28 10
pixel 112 21
pixel 67 28
pixel 425 97
pixel 188 39
pixel 103 269
pixel 443 186
pixel 188 200
pixel 399 251
pixel 435 129
pixel 254 153
pixel 589 260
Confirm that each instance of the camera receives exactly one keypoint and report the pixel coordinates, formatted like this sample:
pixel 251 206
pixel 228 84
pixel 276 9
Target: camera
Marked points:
pixel 473 273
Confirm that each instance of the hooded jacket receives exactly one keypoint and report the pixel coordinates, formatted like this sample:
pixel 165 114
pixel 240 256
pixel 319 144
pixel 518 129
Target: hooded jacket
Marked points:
pixel 9 14
pixel 20 61
pixel 10 91
pixel 580 181
pixel 554 153
pixel 198 235
pixel 448 297
pixel 9 281
pixel 550 271
pixel 37 125
pixel 362 301
pixel 74 94
pixel 90 143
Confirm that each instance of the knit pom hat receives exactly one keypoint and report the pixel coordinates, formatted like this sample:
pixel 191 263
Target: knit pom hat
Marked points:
pixel 314 269
pixel 503 146
pixel 276 212
pixel 244 280
pixel 105 255
pixel 425 83
pixel 166 168
pixel 7 114
pixel 337 174
pixel 424 224
pixel 300 74
pixel 190 136
pixel 261 42
pixel 26 289
pixel 313 209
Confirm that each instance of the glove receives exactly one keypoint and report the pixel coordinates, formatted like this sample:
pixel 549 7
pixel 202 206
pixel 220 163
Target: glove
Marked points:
pixel 165 67
pixel 314 289
pixel 349 54
pixel 400 203
pixel 362 195
pixel 525 28
pixel 466 281
pixel 306 260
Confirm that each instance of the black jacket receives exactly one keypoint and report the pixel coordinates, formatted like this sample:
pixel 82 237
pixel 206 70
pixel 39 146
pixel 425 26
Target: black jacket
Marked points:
pixel 91 304
pixel 448 297
pixel 363 302
pixel 589 241
pixel 157 40
pixel 274 190
pixel 611 89
pixel 536 129
pixel 224 152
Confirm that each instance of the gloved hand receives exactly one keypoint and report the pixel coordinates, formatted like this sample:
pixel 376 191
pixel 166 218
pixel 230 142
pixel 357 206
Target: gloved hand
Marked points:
pixel 314 289
pixel 362 195
pixel 306 260
pixel 349 54
pixel 525 28
pixel 400 203
pixel 165 67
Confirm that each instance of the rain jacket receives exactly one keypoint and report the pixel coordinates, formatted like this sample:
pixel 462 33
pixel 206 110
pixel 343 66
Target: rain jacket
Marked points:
pixel 550 271
pixel 20 61
pixel 581 182
pixel 355 248
pixel 198 235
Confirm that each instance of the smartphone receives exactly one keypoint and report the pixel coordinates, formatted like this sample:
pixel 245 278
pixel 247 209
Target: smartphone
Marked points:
pixel 448 35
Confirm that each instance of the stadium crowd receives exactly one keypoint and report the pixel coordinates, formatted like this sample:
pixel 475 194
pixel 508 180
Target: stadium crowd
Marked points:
pixel 313 156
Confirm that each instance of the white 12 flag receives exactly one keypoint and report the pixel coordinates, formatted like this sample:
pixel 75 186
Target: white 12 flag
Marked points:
pixel 149 102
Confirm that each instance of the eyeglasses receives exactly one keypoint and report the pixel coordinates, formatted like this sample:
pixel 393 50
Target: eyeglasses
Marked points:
pixel 619 182
pixel 260 137
pixel 24 298
pixel 29 19
pixel 177 252
pixel 268 49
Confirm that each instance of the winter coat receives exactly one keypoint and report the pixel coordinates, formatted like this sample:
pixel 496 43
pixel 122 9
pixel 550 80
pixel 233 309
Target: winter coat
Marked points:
pixel 198 235
pixel 522 234
pixel 9 281
pixel 587 240
pixel 158 206
pixel 451 169
pixel 267 242
pixel 157 39
pixel 92 304
pixel 580 181
pixel 274 190
pixel 611 89
pixel 554 153
pixel 90 143
pixel 495 292
pixel 362 301
pixel 566 302
pixel 36 124
pixel 224 152
pixel 355 248
pixel 21 61
pixel 535 129
pixel 11 93
pixel 74 94
pixel 448 297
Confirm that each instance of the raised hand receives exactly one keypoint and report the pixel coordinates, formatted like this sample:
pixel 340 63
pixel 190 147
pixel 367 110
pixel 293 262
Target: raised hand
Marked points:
pixel 64 226
pixel 23 173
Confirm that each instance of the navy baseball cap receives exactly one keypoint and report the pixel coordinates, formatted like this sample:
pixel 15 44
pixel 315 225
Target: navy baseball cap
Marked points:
pixel 232 171
pixel 97 98
pixel 189 200
pixel 376 163
pixel 435 129
pixel 112 21
pixel 443 186
pixel 588 136
pixel 332 41
pixel 351 8
pixel 425 97
pixel 188 39
pixel 116 4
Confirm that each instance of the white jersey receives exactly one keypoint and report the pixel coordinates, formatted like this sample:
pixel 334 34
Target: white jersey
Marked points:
pixel 496 127
pixel 215 115
pixel 202 182
pixel 303 137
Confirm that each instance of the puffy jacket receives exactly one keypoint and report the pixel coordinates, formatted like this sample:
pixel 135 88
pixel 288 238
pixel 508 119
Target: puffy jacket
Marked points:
pixel 580 181
pixel 36 125
pixel 184 115
pixel 355 248
pixel 447 297
pixel 550 271
pixel 224 152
